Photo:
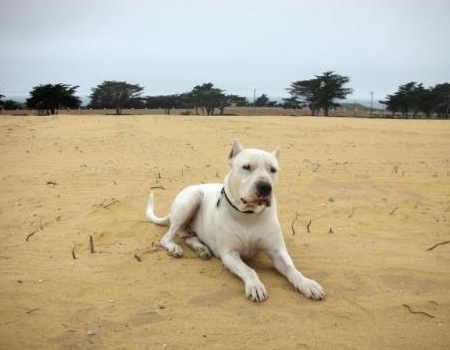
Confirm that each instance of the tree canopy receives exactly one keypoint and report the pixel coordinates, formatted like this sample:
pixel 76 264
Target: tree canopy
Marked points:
pixel 413 98
pixel 205 96
pixel 11 104
pixel 117 95
pixel 263 101
pixel 320 92
pixel 167 102
pixel 49 98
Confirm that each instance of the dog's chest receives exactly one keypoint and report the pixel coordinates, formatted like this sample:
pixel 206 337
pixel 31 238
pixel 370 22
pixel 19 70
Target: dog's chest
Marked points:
pixel 246 239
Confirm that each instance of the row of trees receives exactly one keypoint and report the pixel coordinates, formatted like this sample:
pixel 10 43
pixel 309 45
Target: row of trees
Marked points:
pixel 319 94
pixel 413 98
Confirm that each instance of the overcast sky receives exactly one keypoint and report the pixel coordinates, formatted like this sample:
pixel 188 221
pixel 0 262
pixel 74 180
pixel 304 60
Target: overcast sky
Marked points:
pixel 168 46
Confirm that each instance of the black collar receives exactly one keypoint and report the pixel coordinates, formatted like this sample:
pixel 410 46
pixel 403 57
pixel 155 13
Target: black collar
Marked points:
pixel 223 193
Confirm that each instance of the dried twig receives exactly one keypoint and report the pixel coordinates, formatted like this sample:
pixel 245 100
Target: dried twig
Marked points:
pixel 31 234
pixel 351 214
pixel 108 205
pixel 331 230
pixel 41 227
pixel 159 187
pixel 437 245
pixel 32 310
pixel 308 225
pixel 153 248
pixel 316 168
pixel 293 222
pixel 417 312
pixel 393 211
pixel 91 244
pixel 73 251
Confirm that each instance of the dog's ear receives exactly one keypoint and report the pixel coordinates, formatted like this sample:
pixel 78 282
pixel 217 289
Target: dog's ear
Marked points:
pixel 235 149
pixel 276 152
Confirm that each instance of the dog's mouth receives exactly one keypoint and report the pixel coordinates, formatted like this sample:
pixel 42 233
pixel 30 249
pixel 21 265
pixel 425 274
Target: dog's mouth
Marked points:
pixel 258 201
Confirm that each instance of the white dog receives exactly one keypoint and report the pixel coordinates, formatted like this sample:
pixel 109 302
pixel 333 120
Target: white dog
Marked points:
pixel 235 220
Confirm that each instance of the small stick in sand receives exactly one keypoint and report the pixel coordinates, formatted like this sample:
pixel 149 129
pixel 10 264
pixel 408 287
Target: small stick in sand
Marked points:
pixel 393 211
pixel 293 222
pixel 158 187
pixel 41 227
pixel 308 225
pixel 73 251
pixel 91 244
pixel 32 310
pixel 437 245
pixel 31 234
pixel 153 248
pixel 351 214
pixel 417 312
pixel 108 205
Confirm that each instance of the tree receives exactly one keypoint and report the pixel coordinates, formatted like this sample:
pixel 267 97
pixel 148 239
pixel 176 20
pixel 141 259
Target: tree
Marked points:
pixel 321 92
pixel 11 104
pixel 261 101
pixel 1 102
pixel 441 93
pixel 206 97
pixel 232 100
pixel 164 101
pixel 292 103
pixel 117 95
pixel 412 98
pixel 49 98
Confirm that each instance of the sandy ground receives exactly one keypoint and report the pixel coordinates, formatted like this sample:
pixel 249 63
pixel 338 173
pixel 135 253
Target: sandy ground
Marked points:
pixel 375 193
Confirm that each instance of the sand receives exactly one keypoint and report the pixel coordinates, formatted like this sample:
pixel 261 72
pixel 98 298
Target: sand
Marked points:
pixel 375 193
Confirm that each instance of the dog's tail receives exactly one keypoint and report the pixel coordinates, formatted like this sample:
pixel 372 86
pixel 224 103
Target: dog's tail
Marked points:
pixel 151 214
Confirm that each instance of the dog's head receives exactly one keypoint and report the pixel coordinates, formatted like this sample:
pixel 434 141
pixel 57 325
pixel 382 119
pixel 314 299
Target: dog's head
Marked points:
pixel 252 177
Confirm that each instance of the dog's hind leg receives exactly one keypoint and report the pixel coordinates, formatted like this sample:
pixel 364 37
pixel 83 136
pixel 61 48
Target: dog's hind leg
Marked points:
pixel 201 249
pixel 183 210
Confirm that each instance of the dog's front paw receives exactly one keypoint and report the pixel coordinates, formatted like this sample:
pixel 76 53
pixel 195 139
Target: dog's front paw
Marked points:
pixel 203 252
pixel 256 291
pixel 310 288
pixel 173 249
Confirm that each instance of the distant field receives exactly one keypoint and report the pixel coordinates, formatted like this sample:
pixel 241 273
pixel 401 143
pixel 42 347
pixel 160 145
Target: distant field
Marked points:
pixel 375 195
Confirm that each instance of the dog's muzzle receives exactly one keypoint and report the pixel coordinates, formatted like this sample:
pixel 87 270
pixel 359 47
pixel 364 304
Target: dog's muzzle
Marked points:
pixel 262 196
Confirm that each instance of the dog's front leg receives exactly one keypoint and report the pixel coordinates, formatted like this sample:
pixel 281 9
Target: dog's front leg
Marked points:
pixel 254 288
pixel 283 263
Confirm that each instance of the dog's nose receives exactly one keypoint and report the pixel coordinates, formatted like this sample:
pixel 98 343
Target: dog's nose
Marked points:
pixel 263 188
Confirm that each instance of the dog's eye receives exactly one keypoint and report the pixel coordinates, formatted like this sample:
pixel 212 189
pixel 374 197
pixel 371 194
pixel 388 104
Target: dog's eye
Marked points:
pixel 273 170
pixel 246 167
